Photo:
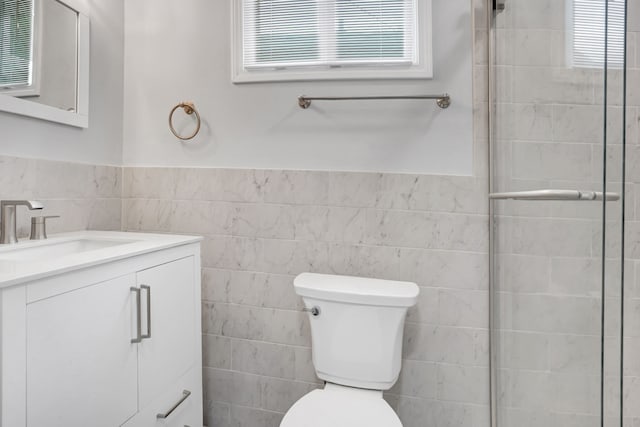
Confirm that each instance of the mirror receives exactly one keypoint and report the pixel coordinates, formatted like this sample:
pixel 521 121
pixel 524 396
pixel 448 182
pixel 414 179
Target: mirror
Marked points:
pixel 44 60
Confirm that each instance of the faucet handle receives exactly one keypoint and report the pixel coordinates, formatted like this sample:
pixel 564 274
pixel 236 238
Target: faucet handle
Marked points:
pixel 39 226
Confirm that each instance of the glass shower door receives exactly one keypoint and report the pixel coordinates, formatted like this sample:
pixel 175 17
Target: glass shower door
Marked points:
pixel 557 150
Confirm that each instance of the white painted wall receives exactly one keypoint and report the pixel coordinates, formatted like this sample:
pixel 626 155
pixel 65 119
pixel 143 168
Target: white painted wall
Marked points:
pixel 102 142
pixel 177 51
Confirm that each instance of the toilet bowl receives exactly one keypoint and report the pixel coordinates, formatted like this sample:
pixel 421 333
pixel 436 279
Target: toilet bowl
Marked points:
pixel 356 332
pixel 341 406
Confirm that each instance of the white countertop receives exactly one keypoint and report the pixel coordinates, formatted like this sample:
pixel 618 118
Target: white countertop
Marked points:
pixel 16 271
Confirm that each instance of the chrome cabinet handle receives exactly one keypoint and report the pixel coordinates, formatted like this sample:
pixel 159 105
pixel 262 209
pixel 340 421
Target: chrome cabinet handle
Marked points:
pixel 138 337
pixel 185 394
pixel 148 289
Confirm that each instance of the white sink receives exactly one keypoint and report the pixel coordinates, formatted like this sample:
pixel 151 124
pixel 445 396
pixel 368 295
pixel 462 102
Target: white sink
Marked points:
pixel 31 260
pixel 53 250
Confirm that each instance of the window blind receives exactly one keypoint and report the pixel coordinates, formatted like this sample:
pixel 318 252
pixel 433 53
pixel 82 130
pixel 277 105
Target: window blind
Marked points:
pixel 328 33
pixel 16 22
pixel 589 17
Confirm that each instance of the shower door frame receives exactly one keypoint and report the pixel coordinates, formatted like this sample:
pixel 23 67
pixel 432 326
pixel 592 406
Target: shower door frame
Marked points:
pixel 493 8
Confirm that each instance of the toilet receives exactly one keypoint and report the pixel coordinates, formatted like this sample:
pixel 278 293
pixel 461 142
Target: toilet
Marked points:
pixel 356 331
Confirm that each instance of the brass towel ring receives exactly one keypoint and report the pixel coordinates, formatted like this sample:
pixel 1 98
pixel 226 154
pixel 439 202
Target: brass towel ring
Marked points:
pixel 188 108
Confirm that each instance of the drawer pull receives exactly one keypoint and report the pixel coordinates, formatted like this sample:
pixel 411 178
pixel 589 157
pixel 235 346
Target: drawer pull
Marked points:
pixel 185 394
pixel 148 289
pixel 138 337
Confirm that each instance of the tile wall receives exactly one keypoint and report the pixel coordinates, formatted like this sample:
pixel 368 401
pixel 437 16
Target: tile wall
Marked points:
pixel 85 196
pixel 262 228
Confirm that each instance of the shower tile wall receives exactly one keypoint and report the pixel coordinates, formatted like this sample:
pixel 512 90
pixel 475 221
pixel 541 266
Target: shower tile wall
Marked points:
pixel 549 128
pixel 85 196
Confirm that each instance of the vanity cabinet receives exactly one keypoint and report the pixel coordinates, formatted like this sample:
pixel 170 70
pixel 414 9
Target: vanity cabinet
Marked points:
pixel 112 345
pixel 81 368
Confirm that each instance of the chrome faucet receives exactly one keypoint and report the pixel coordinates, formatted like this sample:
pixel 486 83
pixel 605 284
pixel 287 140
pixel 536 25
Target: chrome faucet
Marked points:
pixel 8 218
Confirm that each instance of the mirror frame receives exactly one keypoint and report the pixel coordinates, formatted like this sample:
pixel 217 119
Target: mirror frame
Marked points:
pixel 78 118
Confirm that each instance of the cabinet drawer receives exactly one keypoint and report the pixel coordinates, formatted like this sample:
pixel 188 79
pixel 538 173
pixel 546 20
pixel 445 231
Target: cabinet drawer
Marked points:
pixel 184 412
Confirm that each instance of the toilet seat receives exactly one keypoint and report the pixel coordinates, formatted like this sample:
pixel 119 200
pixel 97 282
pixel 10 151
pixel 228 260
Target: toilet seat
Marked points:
pixel 341 406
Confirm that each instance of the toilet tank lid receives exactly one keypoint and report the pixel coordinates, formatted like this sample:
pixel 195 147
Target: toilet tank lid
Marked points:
pixel 358 290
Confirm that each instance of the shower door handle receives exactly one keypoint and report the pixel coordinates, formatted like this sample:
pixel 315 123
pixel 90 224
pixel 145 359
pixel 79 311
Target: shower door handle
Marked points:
pixel 558 195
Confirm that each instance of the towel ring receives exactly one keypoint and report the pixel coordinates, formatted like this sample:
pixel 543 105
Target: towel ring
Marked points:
pixel 190 109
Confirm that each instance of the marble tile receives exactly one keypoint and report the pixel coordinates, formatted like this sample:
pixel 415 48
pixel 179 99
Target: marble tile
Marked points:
pixel 238 185
pixel 346 225
pixel 574 354
pixel 442 344
pixel 431 193
pixel 543 14
pixel 525 122
pixel 261 220
pixel 287 327
pixel 147 215
pixel 353 189
pixel 250 288
pixel 18 177
pixel 232 387
pixel 449 269
pixel 463 308
pixel 216 351
pixel 216 414
pixel 578 123
pixel 570 162
pixel 523 350
pixel 523 273
pixel 551 314
pixel 365 261
pixel 462 384
pixel 546 85
pixel 86 196
pixel 528 390
pixel 251 417
pixel 576 394
pixel 201 217
pixel 418 379
pixel 427 230
pixel 279 395
pixel 427 309
pixel 294 257
pixel 313 223
pixel 296 187
pixel 265 359
pixel 305 370
pixel 149 183
pixel 232 253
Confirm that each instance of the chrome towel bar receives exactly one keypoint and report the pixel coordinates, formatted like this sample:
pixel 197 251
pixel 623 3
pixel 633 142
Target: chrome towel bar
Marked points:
pixel 569 195
pixel 304 101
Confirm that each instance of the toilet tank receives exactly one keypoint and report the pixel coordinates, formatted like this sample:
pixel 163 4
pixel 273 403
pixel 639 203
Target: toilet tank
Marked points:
pixel 357 328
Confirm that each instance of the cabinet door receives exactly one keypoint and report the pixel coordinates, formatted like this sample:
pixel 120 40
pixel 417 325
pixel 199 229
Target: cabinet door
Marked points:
pixel 169 352
pixel 81 364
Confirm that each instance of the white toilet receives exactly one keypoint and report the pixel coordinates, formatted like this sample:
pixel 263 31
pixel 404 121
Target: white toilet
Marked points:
pixel 356 330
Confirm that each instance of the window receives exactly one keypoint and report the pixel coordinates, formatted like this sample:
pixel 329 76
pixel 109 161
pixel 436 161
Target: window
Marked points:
pixel 586 41
pixel 331 39
pixel 16 45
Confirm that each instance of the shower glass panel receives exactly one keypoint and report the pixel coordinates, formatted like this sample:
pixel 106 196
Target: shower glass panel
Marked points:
pixel 558 124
